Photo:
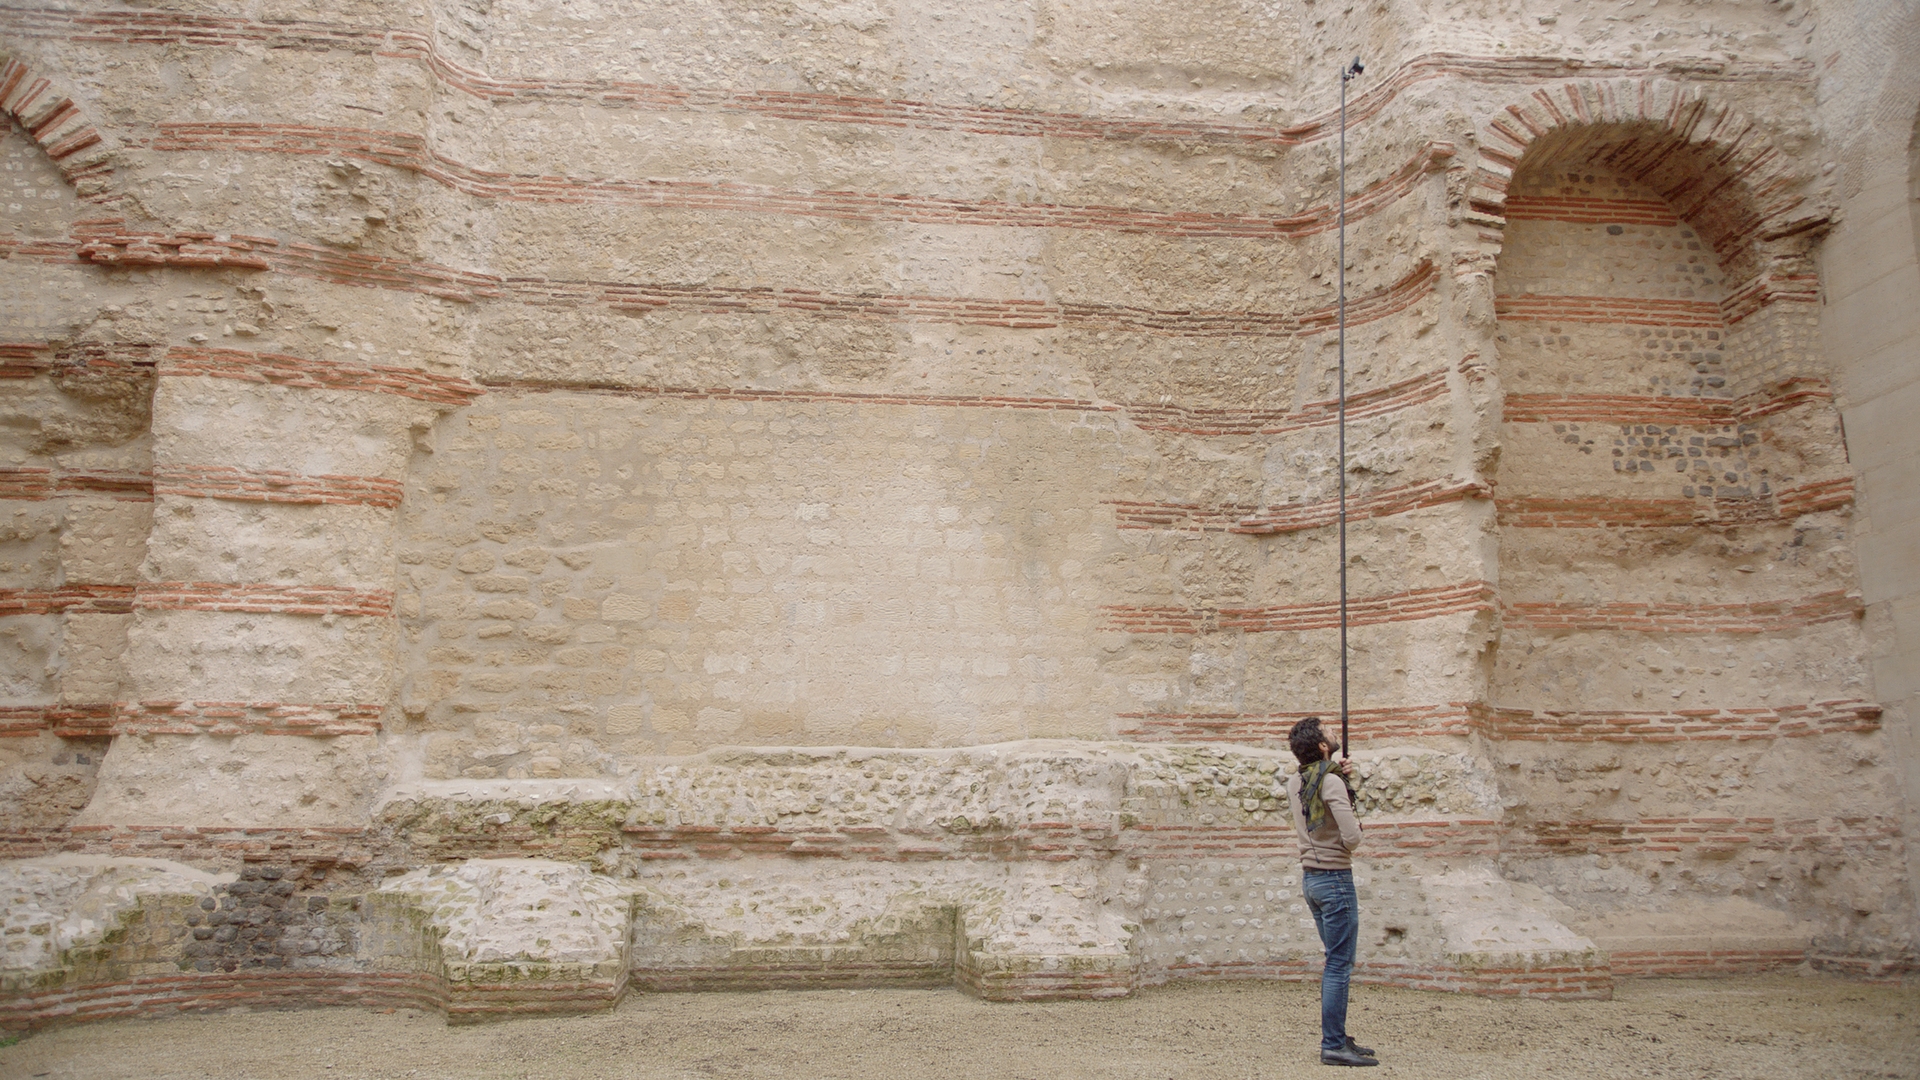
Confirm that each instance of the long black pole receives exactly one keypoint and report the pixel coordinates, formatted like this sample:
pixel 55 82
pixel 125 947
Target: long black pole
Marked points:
pixel 1346 74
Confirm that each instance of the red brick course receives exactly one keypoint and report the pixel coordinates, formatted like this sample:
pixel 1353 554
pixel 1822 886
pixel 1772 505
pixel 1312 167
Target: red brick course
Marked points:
pixel 263 599
pixel 93 599
pixel 1611 310
pixel 1296 517
pixel 28 359
pixel 243 718
pixel 1701 963
pixel 172 995
pixel 1590 210
pixel 1293 517
pixel 1415 286
pixel 101 720
pixel 1408 606
pixel 1183 420
pixel 1562 981
pixel 275 486
pixel 37 484
pixel 72 721
pixel 1761 617
pixel 1665 409
pixel 1460 719
pixel 411 153
pixel 1699 835
pixel 106 243
pixel 213 31
pixel 1613 512
pixel 279 369
pixel 1455 718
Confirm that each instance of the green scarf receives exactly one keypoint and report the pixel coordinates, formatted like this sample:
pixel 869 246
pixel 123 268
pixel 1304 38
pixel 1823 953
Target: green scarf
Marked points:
pixel 1315 804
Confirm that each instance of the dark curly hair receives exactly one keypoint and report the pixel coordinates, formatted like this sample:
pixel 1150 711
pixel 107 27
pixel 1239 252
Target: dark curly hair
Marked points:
pixel 1305 739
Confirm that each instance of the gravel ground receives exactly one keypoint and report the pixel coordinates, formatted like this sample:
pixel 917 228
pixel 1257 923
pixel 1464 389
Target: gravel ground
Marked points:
pixel 1774 1027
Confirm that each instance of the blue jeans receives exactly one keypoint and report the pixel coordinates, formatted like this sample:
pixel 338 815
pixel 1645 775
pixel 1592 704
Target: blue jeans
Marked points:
pixel 1336 913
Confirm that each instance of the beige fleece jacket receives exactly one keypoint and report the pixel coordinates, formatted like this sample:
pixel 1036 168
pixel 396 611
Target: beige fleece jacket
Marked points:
pixel 1331 846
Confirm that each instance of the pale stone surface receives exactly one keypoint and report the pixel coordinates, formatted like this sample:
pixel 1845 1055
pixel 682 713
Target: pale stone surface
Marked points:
pixel 884 423
pixel 52 904
pixel 1482 913
pixel 504 910
pixel 239 780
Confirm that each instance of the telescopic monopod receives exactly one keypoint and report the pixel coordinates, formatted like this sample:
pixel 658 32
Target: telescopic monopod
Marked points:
pixel 1350 72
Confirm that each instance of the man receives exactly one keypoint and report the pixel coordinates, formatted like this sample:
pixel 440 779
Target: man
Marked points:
pixel 1322 804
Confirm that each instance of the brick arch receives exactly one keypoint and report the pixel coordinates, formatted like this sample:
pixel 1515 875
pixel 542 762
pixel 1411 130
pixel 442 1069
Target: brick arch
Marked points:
pixel 62 130
pixel 1718 169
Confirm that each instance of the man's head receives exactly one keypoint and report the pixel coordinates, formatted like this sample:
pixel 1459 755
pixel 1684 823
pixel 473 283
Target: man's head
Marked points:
pixel 1308 743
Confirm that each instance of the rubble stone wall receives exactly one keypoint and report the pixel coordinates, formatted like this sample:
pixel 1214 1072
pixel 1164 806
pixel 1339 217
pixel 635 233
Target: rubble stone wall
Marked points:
pixel 849 492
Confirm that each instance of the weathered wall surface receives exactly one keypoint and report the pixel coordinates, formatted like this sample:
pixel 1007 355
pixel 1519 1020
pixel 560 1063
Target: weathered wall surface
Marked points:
pixel 1871 332
pixel 422 421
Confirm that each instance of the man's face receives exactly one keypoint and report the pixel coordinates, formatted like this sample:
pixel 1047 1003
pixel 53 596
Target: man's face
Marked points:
pixel 1326 749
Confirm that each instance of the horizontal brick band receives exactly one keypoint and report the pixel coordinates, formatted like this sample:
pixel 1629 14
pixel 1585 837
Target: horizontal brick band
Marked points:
pixel 1023 314
pixel 103 719
pixel 410 152
pixel 1256 729
pixel 1293 517
pixel 190 251
pixel 214 31
pixel 1767 288
pixel 108 245
pixel 1409 606
pixel 837 972
pixel 197 596
pixel 39 484
pixel 107 242
pixel 1663 409
pixel 1461 718
pixel 281 370
pixel 1816 497
pixel 86 599
pixel 1296 517
pixel 1590 210
pixel 156 996
pixel 1613 512
pixel 72 721
pixel 1202 420
pixel 1434 838
pixel 243 718
pixel 1553 982
pixel 1445 838
pixel 30 359
pixel 1761 617
pixel 1848 715
pixel 276 486
pixel 1684 963
pixel 263 599
pixel 1703 834
pixel 1152 417
pixel 1612 310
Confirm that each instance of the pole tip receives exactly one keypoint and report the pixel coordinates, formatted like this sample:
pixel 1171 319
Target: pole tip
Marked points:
pixel 1353 69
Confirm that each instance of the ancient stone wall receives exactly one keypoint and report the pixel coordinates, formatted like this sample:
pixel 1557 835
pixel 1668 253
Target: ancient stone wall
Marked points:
pixel 848 492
